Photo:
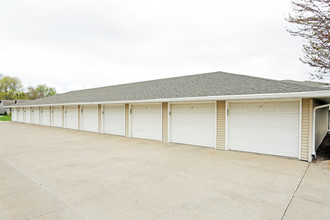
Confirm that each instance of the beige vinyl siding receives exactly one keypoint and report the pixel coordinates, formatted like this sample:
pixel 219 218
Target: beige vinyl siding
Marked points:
pixel 165 121
pixel 221 125
pixel 127 120
pixel 99 112
pixel 79 117
pixel 306 118
pixel 63 115
pixel 40 115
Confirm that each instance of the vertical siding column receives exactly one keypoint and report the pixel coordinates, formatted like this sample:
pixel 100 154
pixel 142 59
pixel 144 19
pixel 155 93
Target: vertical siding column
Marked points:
pixel 50 116
pixel 99 107
pixel 221 125
pixel 23 115
pixel 41 112
pixel 127 120
pixel 79 117
pixel 30 122
pixel 306 129
pixel 51 109
pixel 165 121
pixel 63 115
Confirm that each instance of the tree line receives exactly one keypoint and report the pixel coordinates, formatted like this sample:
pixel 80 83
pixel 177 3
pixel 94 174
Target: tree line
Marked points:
pixel 12 88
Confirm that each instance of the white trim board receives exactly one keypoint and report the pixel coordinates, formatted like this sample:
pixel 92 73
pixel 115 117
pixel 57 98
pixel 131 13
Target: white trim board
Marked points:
pixel 310 94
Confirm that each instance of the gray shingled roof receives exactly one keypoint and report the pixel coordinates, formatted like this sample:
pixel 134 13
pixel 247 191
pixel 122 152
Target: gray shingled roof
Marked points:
pixel 207 84
pixel 12 102
pixel 309 83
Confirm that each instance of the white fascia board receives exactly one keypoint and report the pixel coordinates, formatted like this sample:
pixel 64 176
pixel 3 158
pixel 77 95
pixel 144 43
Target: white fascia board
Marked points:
pixel 309 94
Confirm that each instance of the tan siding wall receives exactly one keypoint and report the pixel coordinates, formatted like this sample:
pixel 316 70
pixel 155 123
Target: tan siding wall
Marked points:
pixel 127 120
pixel 99 118
pixel 79 117
pixel 40 116
pixel 50 115
pixel 305 129
pixel 165 121
pixel 63 115
pixel 221 125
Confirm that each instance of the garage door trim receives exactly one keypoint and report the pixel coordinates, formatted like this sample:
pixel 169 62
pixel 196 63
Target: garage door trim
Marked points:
pixel 227 103
pixel 84 115
pixel 103 116
pixel 145 103
pixel 76 120
pixel 169 138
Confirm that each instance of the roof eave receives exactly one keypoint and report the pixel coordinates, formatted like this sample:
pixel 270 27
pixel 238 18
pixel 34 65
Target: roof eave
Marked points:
pixel 309 94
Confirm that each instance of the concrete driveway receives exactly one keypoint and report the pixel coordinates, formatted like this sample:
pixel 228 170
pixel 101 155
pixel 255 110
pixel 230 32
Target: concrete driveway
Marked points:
pixel 54 173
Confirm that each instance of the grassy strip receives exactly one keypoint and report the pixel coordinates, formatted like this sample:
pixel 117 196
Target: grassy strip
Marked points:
pixel 5 118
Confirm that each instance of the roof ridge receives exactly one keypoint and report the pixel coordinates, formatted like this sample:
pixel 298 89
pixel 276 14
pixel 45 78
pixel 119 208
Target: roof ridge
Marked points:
pixel 295 82
pixel 195 85
pixel 176 77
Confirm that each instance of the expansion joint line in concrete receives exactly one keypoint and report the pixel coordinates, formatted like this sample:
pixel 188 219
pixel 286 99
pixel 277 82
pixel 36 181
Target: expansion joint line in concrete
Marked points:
pixel 286 209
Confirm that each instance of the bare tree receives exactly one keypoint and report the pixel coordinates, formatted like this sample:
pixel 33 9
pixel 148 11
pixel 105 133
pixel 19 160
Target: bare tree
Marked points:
pixel 312 19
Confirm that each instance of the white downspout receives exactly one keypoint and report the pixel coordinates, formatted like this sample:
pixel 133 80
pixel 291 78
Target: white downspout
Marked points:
pixel 314 113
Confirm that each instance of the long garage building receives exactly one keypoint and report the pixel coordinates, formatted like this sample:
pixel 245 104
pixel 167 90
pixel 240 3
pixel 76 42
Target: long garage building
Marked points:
pixel 218 110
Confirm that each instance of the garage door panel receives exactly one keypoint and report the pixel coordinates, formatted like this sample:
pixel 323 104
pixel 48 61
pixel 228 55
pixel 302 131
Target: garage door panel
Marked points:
pixel 71 117
pixel 57 117
pixel 288 107
pixel 46 116
pixel 193 124
pixel 90 118
pixel 268 107
pixel 147 121
pixel 114 120
pixel 21 115
pixel 36 116
pixel 27 116
pixel 270 128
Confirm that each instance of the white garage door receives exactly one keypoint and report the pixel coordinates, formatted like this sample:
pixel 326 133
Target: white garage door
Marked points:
pixel 71 117
pixel 14 114
pixel 146 121
pixel 114 119
pixel 90 118
pixel 193 124
pixel 21 115
pixel 264 127
pixel 36 115
pixel 27 118
pixel 46 116
pixel 57 116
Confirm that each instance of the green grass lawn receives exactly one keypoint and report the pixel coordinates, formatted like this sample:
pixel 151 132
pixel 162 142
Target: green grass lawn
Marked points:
pixel 5 117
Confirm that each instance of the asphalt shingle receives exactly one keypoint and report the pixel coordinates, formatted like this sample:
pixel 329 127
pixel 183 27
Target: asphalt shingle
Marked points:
pixel 200 85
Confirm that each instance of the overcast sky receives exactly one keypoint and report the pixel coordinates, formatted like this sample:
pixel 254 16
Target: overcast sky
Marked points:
pixel 80 44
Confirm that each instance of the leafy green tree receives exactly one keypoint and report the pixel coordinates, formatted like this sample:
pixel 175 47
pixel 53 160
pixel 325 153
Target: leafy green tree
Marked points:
pixel 20 95
pixel 40 91
pixel 10 85
pixel 12 88
pixel 312 21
